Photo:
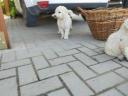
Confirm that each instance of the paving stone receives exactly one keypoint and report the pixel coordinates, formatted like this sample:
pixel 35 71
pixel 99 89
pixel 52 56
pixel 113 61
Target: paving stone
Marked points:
pixel 88 45
pixel 18 45
pixel 53 71
pixel 87 51
pixel 34 52
pixel 61 92
pixel 82 70
pixel 85 59
pixel 26 74
pixel 70 45
pixel 7 57
pixel 124 63
pixel 104 67
pixel 123 88
pixel 8 87
pixel 54 45
pixel 103 82
pixel 15 64
pixel 99 50
pixel 40 62
pixel 7 73
pixel 57 48
pixel 41 87
pixel 22 54
pixel 26 53
pixel 31 45
pixel 123 72
pixel 62 44
pixel 49 54
pixel 97 43
pixel 111 92
pixel 62 60
pixel 75 85
pixel 102 57
pixel 69 52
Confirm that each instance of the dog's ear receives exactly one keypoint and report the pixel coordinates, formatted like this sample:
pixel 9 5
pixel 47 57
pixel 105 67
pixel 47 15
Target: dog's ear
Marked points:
pixel 64 9
pixel 70 12
pixel 126 23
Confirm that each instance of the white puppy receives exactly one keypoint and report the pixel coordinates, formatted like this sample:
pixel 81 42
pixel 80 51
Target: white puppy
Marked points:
pixel 117 43
pixel 64 20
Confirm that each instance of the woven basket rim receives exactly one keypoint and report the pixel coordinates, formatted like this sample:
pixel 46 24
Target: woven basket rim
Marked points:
pixel 107 21
pixel 105 14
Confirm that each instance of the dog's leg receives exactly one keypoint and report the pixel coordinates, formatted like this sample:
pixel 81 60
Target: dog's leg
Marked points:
pixel 71 28
pixel 121 57
pixel 62 33
pixel 66 33
pixel 59 28
pixel 59 31
pixel 126 53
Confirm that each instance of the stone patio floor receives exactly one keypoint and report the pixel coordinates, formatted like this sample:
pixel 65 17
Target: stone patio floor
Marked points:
pixel 41 64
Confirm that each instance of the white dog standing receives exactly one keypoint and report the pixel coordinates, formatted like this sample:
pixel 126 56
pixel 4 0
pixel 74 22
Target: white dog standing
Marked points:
pixel 117 43
pixel 64 21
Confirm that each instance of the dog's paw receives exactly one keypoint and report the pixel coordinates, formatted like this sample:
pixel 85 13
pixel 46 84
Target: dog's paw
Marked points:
pixel 62 37
pixel 120 57
pixel 58 32
pixel 126 53
pixel 66 38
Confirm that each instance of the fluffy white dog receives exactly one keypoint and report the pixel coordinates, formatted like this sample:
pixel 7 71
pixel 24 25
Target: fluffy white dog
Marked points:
pixel 117 43
pixel 64 20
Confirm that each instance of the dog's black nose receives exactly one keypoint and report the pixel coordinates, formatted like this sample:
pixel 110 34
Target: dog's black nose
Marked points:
pixel 54 15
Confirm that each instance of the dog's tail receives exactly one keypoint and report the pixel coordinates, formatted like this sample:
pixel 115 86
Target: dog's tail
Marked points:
pixel 71 14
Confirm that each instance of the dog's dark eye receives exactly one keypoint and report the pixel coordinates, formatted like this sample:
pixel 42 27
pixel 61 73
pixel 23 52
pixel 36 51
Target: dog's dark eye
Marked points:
pixel 59 12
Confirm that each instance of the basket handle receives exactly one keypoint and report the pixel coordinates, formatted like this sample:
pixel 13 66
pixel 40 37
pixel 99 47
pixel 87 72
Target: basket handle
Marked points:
pixel 83 12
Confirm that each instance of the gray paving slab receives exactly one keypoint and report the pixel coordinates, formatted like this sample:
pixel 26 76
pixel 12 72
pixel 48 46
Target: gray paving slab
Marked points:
pixel 62 60
pixel 68 52
pixel 75 85
pixel 15 64
pixel 81 70
pixel 112 92
pixel 7 57
pixel 87 51
pixel 7 73
pixel 124 63
pixel 123 72
pixel 85 59
pixel 8 87
pixel 105 66
pixel 22 54
pixel 40 62
pixel 61 92
pixel 53 71
pixel 99 50
pixel 104 82
pixel 41 87
pixel 48 53
pixel 102 57
pixel 88 45
pixel 26 74
pixel 123 88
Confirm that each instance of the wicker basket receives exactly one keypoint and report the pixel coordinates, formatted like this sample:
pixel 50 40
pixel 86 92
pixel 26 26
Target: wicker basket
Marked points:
pixel 103 22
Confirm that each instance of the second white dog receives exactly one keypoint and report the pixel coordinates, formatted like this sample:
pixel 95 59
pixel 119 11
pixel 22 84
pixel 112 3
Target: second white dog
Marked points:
pixel 117 43
pixel 64 21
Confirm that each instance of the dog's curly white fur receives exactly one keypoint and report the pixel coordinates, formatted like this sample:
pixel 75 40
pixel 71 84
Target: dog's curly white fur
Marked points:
pixel 117 42
pixel 64 20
